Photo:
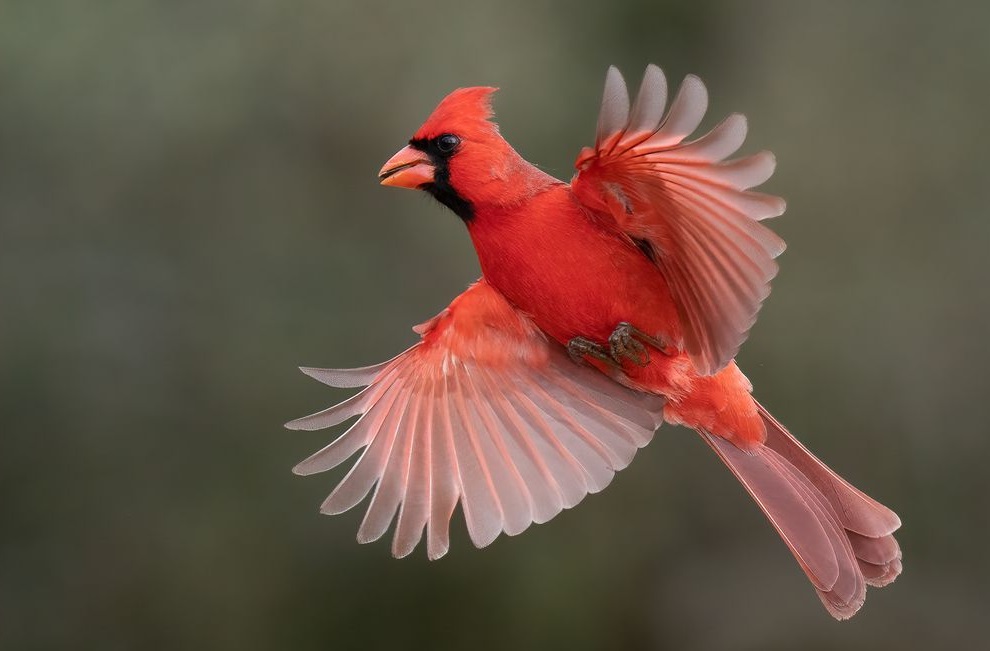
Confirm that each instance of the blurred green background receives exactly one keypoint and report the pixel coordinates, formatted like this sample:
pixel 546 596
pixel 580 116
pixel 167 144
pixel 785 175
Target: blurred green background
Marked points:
pixel 189 210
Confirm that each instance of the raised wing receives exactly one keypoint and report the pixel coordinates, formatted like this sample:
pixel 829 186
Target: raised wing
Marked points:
pixel 484 412
pixel 688 206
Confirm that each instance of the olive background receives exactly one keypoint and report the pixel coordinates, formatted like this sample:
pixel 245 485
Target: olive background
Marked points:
pixel 189 210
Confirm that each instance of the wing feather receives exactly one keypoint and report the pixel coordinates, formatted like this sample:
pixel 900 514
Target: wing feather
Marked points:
pixel 391 486
pixel 507 485
pixel 570 474
pixel 362 477
pixel 357 404
pixel 615 105
pixel 443 477
pixel 481 508
pixel 686 113
pixel 356 437
pixel 349 378
pixel 415 510
pixel 544 498
pixel 651 100
pixel 604 437
pixel 492 417
pixel 690 203
pixel 589 455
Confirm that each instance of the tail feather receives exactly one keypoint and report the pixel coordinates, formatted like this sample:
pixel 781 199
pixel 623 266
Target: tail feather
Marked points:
pixel 841 538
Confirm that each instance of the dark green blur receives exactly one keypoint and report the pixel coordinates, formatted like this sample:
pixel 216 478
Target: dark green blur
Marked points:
pixel 189 210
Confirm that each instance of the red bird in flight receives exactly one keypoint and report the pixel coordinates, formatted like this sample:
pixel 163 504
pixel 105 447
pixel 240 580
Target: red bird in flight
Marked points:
pixel 607 306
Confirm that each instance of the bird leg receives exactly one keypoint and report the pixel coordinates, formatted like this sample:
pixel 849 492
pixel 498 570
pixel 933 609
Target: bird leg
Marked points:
pixel 625 342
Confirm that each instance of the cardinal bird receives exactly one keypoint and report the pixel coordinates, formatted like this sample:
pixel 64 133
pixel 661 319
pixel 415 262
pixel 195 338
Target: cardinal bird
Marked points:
pixel 607 306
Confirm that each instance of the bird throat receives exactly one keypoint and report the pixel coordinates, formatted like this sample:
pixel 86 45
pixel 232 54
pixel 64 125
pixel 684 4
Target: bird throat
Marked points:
pixel 442 191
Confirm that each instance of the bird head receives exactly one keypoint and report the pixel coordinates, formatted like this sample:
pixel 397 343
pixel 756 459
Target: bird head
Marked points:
pixel 458 155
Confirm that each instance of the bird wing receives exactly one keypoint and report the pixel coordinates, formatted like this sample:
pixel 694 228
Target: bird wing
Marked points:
pixel 687 206
pixel 484 411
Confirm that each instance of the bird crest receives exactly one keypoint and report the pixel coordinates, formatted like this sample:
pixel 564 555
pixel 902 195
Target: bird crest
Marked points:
pixel 463 110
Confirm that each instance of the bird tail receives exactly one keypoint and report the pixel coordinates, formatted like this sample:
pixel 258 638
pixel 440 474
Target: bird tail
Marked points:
pixel 842 538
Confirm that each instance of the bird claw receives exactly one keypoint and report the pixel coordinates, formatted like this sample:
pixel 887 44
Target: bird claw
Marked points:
pixel 629 342
pixel 580 348
pixel 625 343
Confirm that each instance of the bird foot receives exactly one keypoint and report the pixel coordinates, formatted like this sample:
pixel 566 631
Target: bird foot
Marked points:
pixel 580 348
pixel 625 342
pixel 629 342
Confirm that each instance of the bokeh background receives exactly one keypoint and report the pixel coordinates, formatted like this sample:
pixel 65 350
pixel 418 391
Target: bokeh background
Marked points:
pixel 189 210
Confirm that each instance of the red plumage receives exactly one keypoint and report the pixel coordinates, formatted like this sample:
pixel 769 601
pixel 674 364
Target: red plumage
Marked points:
pixel 649 268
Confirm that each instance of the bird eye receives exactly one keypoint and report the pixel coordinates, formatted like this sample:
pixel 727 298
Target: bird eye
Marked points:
pixel 447 143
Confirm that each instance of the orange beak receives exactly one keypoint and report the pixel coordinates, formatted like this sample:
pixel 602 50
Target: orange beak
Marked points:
pixel 409 168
